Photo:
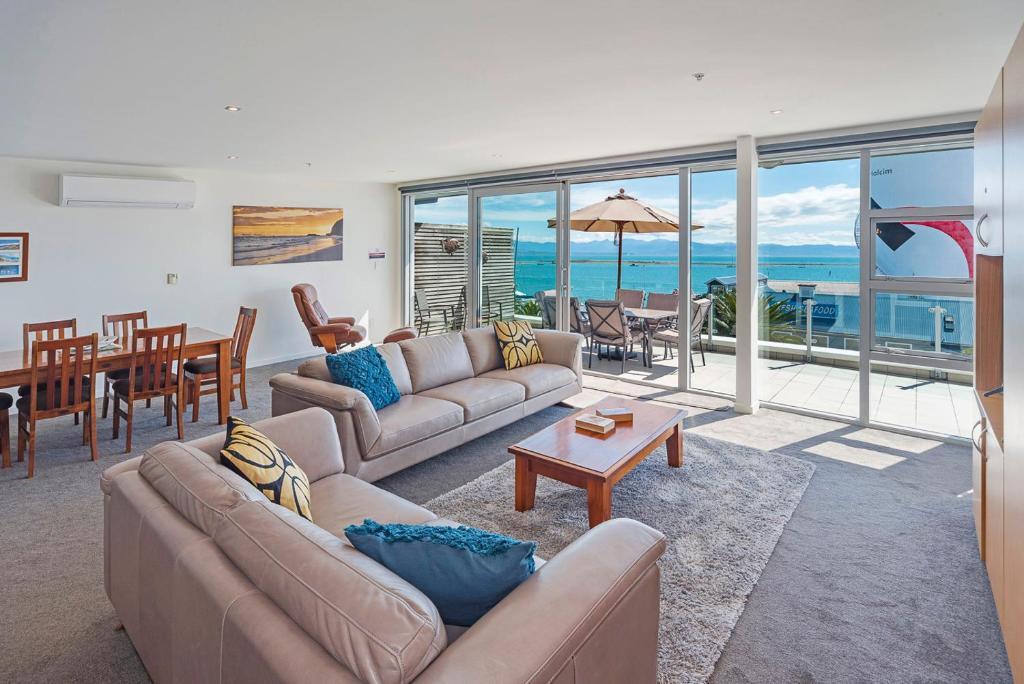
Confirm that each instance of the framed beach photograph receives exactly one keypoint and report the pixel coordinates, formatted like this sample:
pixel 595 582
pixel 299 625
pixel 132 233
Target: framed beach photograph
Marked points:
pixel 286 235
pixel 13 257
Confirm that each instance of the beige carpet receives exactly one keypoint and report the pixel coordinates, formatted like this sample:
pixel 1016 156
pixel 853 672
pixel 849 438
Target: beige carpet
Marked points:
pixel 722 513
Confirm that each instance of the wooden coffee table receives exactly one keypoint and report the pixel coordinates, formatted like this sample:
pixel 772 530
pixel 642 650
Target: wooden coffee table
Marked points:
pixel 596 462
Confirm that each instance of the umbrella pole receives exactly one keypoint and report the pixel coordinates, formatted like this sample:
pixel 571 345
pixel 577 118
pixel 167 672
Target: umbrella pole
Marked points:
pixel 618 281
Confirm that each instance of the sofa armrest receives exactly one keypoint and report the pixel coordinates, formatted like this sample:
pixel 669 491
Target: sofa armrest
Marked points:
pixel 349 320
pixel 562 348
pixel 605 626
pixel 334 398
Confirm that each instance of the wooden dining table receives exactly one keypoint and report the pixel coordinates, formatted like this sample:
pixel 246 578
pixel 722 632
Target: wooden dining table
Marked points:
pixel 16 366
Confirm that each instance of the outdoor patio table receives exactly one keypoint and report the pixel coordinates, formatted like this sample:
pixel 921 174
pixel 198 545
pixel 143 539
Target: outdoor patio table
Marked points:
pixel 651 319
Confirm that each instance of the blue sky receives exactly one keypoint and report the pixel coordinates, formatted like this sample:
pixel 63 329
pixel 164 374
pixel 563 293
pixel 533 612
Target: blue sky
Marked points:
pixel 798 204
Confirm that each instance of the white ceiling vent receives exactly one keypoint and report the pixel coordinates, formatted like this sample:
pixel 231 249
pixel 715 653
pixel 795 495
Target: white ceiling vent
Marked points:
pixel 110 191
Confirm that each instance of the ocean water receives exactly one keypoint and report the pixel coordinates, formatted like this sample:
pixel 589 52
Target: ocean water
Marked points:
pixel 593 279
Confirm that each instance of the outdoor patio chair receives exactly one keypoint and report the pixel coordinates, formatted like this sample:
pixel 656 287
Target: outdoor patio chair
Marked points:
pixel 579 322
pixel 491 310
pixel 670 335
pixel 631 299
pixel 426 316
pixel 458 314
pixel 609 327
pixel 663 301
pixel 548 313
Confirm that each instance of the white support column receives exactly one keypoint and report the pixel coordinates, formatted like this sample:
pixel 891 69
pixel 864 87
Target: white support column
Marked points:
pixel 867 306
pixel 685 301
pixel 746 275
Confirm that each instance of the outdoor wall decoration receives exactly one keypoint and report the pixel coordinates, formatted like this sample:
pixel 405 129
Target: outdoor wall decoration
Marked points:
pixel 13 257
pixel 286 235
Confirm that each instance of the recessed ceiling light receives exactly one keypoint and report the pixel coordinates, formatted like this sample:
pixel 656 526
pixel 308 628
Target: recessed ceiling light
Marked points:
pixel 233 108
pixel 232 156
pixel 308 164
pixel 699 76
pixel 775 112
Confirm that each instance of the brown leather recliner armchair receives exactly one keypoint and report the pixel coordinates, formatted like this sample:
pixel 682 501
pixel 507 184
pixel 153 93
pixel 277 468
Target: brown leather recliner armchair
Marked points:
pixel 337 332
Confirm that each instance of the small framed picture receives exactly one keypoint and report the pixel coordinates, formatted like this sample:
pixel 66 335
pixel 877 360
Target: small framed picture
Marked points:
pixel 13 257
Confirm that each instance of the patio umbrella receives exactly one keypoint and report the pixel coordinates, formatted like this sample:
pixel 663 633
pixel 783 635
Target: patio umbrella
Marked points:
pixel 622 214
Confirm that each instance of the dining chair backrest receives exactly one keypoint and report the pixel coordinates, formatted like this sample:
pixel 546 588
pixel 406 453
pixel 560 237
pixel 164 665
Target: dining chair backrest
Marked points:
pixel 548 309
pixel 631 299
pixel 58 372
pixel 243 333
pixel 124 325
pixel 577 319
pixel 698 315
pixel 155 352
pixel 663 301
pixel 607 319
pixel 47 330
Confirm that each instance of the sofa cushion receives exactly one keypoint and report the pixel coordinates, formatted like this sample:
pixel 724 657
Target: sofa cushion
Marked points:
pixel 392 354
pixel 518 345
pixel 255 457
pixel 464 571
pixel 483 348
pixel 412 419
pixel 342 500
pixel 366 370
pixel 538 379
pixel 480 397
pixel 373 622
pixel 194 483
pixel 436 360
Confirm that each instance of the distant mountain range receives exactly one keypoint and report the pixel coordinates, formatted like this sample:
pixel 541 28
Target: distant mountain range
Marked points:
pixel 668 249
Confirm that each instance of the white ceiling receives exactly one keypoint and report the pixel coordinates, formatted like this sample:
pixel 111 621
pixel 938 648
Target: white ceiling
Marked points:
pixel 404 89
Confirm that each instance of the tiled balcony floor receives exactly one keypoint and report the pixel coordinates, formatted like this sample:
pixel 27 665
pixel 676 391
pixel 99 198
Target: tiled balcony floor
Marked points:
pixel 937 406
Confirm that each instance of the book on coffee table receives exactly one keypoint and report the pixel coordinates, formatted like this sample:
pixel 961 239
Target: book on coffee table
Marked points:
pixel 619 415
pixel 595 423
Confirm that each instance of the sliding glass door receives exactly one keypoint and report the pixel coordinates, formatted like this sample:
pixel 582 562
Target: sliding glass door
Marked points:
pixel 438 246
pixel 863 262
pixel 515 255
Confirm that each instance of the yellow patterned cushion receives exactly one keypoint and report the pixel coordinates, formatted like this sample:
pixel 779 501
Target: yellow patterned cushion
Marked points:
pixel 251 454
pixel 518 345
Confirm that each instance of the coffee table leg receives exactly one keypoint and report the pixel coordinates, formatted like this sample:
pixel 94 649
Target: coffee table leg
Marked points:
pixel 526 484
pixel 599 502
pixel 674 446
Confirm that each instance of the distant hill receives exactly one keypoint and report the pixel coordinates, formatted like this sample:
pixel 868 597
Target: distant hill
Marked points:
pixel 668 248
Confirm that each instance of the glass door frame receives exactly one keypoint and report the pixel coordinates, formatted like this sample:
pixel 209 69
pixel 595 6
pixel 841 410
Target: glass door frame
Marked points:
pixel 474 292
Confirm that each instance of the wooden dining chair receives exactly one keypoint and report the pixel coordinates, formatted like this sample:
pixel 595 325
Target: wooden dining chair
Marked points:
pixel 156 352
pixel 46 330
pixel 203 371
pixel 61 384
pixel 124 327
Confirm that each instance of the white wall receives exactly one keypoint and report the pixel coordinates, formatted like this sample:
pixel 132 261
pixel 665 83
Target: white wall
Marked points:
pixel 84 262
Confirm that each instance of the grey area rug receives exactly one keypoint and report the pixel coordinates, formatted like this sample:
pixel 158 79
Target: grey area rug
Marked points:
pixel 722 514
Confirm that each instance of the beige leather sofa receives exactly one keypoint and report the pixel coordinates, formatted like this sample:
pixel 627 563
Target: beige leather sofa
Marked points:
pixel 214 583
pixel 454 388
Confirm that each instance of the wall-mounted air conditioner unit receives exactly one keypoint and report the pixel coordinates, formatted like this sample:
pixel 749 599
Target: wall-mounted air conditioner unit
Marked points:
pixel 109 191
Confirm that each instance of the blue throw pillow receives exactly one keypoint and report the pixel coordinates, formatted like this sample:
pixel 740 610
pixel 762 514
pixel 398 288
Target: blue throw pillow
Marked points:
pixel 463 570
pixel 366 370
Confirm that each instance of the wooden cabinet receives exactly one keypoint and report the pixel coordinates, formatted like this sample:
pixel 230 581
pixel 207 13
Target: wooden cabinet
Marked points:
pixel 995 561
pixel 1012 613
pixel 988 175
pixel 999 314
